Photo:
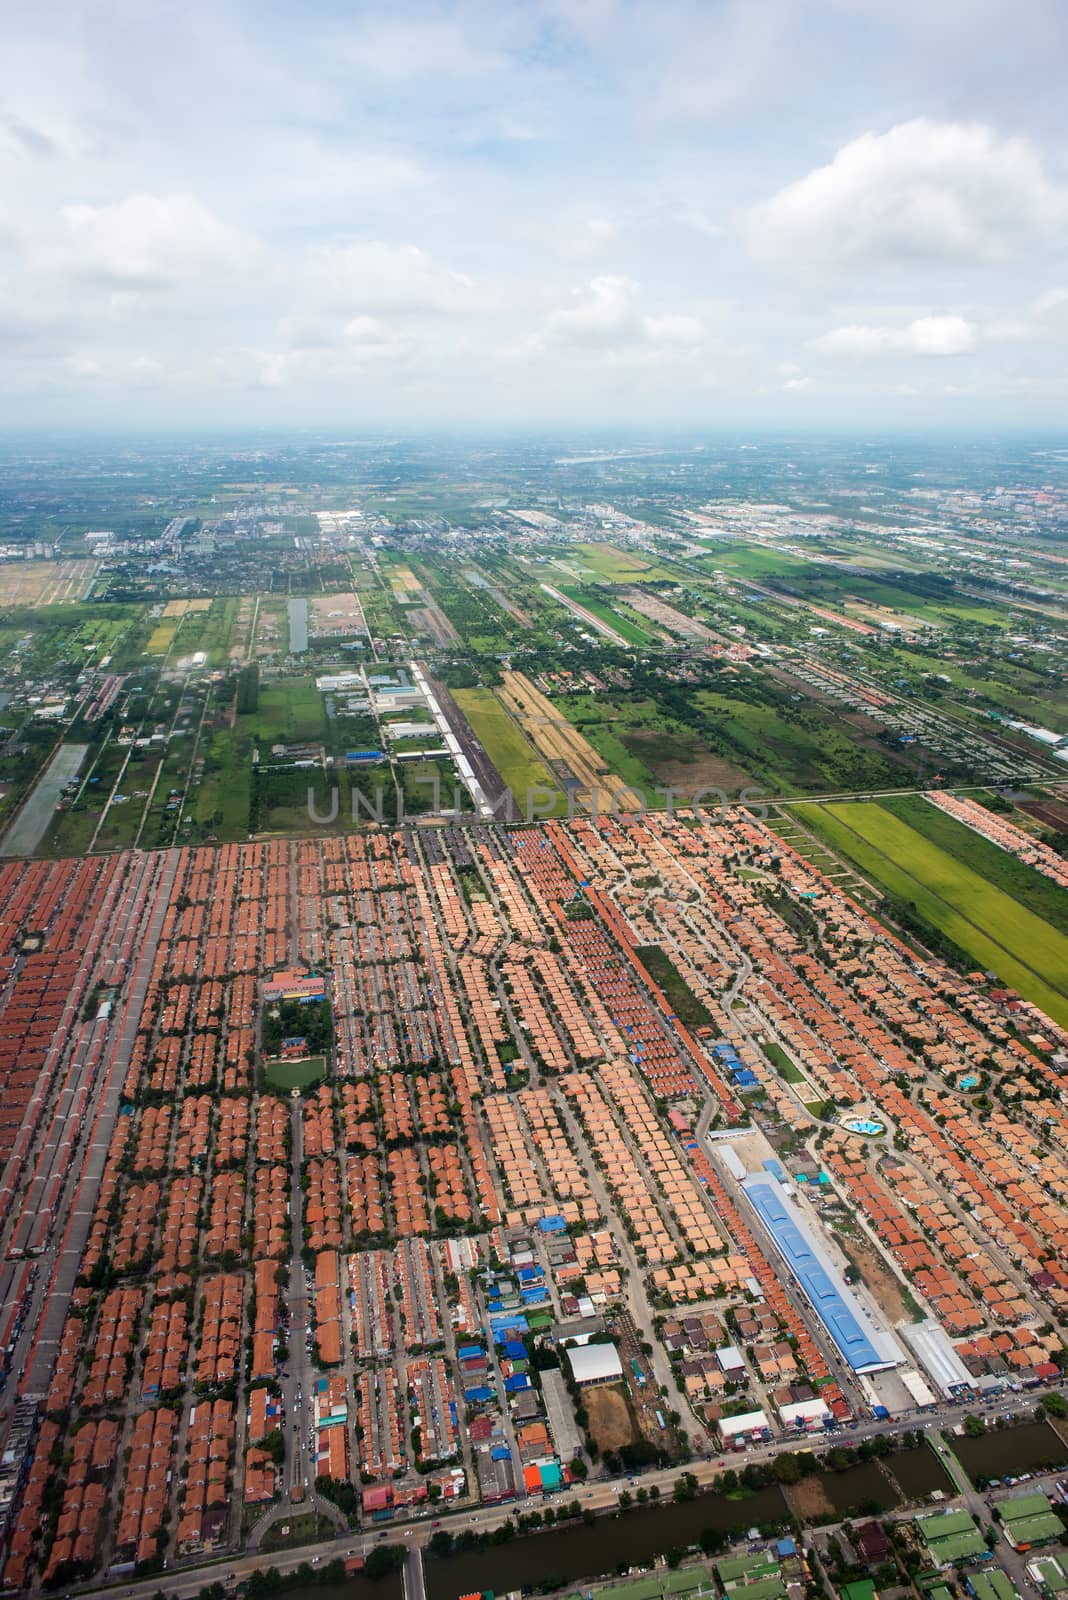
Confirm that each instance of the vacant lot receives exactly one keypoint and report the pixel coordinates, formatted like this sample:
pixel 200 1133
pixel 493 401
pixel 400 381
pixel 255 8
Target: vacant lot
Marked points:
pixel 1001 934
pixel 663 971
pixel 600 606
pixel 609 1414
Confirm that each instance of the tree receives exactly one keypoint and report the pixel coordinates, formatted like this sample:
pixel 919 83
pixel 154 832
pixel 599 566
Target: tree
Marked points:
pixel 441 1543
pixel 384 1559
pixel 1055 1405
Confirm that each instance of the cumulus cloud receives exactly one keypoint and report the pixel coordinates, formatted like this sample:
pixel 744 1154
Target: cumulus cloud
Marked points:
pixel 150 241
pixel 927 336
pixel 371 275
pixel 925 190
pixel 607 315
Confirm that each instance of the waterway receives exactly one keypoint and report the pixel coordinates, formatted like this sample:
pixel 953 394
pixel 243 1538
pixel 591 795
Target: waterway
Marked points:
pixel 39 810
pixel 576 1553
pixel 298 626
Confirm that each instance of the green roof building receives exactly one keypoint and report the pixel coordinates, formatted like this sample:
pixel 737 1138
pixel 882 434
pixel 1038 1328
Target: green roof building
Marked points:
pixel 1052 1573
pixel 1041 1528
pixel 733 1570
pixel 952 1536
pixel 993 1584
pixel 660 1586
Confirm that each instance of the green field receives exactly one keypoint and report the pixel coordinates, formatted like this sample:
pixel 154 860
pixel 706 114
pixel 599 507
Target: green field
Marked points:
pixel 295 1074
pixel 608 614
pixel 691 1011
pixel 506 746
pixel 997 931
pixel 1039 894
pixel 619 565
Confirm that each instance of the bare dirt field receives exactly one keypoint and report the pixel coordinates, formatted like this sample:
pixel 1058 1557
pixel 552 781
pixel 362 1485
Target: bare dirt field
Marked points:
pixel 1050 813
pixel 808 1500
pixel 878 1279
pixel 706 771
pixel 609 1415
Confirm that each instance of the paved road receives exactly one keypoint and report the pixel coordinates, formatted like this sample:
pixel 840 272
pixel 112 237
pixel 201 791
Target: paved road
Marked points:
pixel 599 1496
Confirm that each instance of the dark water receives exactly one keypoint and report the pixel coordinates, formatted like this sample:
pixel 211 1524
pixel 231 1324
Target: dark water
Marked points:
pixel 919 1472
pixel 577 1553
pixel 1028 1448
pixel 859 1487
pixel 581 1552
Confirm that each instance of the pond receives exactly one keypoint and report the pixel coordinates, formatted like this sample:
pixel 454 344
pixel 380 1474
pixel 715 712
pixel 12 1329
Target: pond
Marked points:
pixel 1010 1451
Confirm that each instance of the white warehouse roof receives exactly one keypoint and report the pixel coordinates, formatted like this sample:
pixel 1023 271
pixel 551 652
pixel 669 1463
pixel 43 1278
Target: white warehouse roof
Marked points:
pixel 595 1363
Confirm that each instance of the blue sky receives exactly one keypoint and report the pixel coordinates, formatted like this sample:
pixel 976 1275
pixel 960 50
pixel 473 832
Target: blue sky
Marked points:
pixel 702 212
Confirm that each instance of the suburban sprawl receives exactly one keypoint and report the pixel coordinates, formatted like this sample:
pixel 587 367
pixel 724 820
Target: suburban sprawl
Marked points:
pixel 534 1021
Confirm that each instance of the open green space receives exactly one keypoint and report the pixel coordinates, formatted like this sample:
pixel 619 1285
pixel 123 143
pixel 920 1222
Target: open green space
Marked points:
pixel 295 1074
pixel 295 1019
pixel 292 1529
pixel 619 566
pixel 519 765
pixel 1038 893
pixel 608 614
pixel 996 931
pixel 782 1063
pixel 687 1007
pixel 927 596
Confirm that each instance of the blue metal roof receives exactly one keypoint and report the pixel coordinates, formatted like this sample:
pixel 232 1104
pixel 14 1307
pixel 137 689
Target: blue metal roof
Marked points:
pixel 824 1294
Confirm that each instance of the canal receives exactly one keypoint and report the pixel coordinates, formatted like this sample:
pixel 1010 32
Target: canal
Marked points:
pixel 579 1553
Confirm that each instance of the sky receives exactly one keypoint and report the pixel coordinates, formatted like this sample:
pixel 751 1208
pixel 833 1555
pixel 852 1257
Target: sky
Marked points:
pixel 577 212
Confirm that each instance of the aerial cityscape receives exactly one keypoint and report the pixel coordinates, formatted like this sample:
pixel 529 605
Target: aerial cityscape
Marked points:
pixel 534 800
pixel 535 995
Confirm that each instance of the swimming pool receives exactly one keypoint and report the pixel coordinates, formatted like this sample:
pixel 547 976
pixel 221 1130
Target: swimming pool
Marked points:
pixel 866 1125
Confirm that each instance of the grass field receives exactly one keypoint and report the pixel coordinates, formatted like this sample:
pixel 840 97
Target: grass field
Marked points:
pixel 996 930
pixel 295 1074
pixel 1039 894
pixel 626 629
pixel 161 639
pixel 518 764
pixel 620 566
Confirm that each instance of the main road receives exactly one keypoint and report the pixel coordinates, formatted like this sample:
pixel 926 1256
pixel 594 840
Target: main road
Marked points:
pixel 601 1496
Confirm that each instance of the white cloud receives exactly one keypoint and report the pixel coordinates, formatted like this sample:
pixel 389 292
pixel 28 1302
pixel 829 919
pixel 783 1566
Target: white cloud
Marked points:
pixel 371 275
pixel 925 190
pixel 927 336
pixel 150 241
pixel 606 315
